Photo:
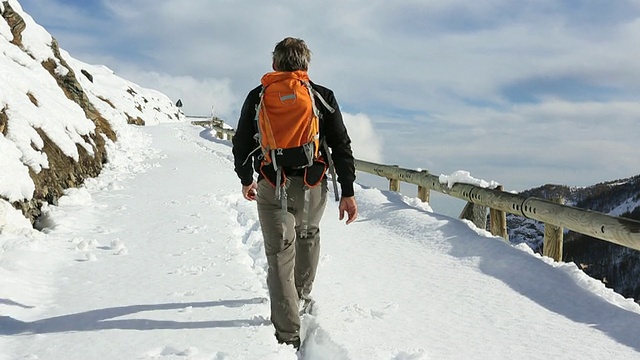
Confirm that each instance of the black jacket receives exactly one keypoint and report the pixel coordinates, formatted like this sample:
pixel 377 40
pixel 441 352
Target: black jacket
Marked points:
pixel 332 129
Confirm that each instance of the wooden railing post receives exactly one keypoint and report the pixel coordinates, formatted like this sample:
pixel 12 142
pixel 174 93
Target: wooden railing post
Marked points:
pixel 424 193
pixel 475 213
pixel 394 185
pixel 394 182
pixel 498 221
pixel 217 123
pixel 553 238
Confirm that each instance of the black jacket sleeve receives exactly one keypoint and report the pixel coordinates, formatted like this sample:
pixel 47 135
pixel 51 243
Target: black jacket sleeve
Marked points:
pixel 333 130
pixel 244 141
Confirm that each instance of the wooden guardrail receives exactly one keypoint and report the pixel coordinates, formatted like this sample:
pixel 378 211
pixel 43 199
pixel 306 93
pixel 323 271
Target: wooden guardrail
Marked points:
pixel 621 231
pixel 555 215
pixel 216 124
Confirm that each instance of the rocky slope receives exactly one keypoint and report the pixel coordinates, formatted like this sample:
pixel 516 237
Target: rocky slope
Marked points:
pixel 58 115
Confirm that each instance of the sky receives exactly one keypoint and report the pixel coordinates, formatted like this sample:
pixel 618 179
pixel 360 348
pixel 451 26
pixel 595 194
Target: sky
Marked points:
pixel 148 261
pixel 534 92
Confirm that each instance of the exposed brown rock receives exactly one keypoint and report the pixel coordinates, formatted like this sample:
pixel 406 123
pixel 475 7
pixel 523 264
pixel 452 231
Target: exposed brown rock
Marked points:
pixel 107 101
pixel 74 91
pixel 87 74
pixel 135 121
pixel 63 173
pixel 32 98
pixel 16 23
pixel 4 119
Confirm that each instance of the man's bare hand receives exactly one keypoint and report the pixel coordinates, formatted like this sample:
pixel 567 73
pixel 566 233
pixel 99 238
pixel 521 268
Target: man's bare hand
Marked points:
pixel 348 205
pixel 249 191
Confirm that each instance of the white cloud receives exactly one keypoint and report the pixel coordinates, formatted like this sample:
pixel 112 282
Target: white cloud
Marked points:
pixel 366 143
pixel 497 76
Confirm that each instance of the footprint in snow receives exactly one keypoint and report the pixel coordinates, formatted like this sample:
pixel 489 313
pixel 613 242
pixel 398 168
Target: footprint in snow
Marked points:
pixel 88 257
pixel 190 229
pixel 419 354
pixel 171 351
pixel 356 311
pixel 83 244
pixel 122 251
pixel 116 244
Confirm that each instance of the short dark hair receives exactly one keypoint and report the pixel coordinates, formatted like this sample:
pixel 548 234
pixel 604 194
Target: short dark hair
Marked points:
pixel 291 54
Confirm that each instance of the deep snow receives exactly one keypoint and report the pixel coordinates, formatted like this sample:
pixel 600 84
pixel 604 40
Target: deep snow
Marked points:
pixel 160 257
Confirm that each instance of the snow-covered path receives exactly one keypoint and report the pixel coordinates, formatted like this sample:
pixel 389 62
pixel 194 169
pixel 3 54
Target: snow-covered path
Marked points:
pixel 155 259
pixel 161 258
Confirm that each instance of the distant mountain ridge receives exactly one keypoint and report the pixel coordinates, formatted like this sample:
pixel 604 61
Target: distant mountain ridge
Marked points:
pixel 617 266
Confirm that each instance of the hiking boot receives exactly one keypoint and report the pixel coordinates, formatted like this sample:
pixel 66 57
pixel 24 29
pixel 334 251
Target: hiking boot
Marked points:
pixel 294 342
pixel 306 306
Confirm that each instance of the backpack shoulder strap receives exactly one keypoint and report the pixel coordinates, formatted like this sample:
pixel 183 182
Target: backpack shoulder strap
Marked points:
pixel 332 169
pixel 259 135
pixel 323 101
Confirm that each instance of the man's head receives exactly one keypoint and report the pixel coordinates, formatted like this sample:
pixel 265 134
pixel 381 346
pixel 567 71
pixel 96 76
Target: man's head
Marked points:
pixel 291 54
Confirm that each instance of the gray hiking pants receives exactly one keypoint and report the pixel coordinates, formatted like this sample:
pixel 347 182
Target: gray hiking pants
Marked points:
pixel 292 255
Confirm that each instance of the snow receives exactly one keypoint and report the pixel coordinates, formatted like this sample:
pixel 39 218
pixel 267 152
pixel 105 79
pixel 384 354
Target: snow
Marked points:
pixel 160 257
pixel 464 177
pixel 627 206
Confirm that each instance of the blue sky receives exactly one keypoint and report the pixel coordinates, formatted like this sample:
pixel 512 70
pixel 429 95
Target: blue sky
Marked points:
pixel 523 93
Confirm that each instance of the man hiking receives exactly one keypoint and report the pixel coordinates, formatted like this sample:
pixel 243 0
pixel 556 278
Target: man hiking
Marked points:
pixel 287 126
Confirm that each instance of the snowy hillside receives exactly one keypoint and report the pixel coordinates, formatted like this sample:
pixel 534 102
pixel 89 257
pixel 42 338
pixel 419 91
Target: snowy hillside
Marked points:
pixel 59 113
pixel 160 257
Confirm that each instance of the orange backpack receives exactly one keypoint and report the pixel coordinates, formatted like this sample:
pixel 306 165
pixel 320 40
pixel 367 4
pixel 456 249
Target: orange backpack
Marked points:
pixel 288 125
pixel 289 129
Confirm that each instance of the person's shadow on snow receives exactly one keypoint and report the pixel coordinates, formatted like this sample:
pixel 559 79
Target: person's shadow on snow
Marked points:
pixel 10 302
pixel 100 319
